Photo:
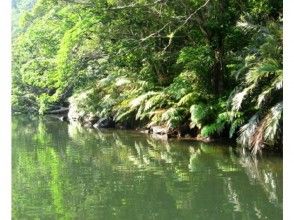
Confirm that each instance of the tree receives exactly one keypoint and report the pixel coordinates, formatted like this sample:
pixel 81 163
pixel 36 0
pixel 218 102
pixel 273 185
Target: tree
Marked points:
pixel 183 65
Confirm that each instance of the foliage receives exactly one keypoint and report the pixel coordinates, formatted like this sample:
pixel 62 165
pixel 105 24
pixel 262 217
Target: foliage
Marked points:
pixel 212 64
pixel 261 92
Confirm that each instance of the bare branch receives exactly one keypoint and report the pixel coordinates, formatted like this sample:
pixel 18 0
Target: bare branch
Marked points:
pixel 155 33
pixel 135 5
pixel 184 23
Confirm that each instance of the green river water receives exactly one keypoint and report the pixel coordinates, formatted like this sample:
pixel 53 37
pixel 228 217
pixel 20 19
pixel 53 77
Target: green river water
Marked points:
pixel 64 171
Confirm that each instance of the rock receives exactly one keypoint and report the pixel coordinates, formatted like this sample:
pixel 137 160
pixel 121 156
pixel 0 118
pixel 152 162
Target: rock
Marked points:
pixel 186 132
pixel 63 118
pixel 90 119
pixel 160 136
pixel 204 139
pixel 159 130
pixel 146 131
pixel 88 124
pixel 74 115
pixel 104 123
pixel 87 119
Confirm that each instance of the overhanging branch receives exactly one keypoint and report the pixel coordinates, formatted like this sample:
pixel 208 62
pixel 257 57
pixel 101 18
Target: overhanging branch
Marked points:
pixel 171 35
pixel 136 5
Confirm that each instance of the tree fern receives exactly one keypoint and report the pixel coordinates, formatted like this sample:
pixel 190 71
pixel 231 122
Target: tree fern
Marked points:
pixel 199 113
pixel 188 100
pixel 174 116
pixel 156 101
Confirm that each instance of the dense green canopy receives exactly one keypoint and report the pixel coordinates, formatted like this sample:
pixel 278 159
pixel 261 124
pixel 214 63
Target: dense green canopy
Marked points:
pixel 212 65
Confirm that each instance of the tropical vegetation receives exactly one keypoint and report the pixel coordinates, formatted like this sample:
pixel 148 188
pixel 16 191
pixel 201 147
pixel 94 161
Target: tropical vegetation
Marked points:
pixel 214 67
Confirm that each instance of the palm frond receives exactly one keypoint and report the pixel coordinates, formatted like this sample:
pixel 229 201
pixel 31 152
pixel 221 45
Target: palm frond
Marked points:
pixel 273 124
pixel 248 130
pixel 239 97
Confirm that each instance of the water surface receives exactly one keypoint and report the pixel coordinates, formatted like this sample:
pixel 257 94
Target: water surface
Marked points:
pixel 63 171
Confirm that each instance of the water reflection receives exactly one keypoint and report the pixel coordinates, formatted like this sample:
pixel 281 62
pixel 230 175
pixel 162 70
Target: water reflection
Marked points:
pixel 263 175
pixel 63 171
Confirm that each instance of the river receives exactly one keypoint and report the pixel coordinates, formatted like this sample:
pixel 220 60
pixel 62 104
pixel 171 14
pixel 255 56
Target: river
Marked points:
pixel 64 171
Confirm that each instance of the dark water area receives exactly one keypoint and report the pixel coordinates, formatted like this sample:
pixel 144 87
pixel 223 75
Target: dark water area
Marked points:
pixel 64 171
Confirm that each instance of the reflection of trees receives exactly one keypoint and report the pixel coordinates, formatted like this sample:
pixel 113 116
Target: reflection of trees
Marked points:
pixel 75 173
pixel 236 169
pixel 265 176
pixel 208 160
pixel 37 173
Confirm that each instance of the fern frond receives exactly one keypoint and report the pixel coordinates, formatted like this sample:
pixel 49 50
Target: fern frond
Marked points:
pixel 174 116
pixel 238 98
pixel 264 96
pixel 120 116
pixel 121 81
pixel 199 113
pixel 141 99
pixel 262 70
pixel 273 123
pixel 247 131
pixel 188 99
pixel 214 128
pixel 156 101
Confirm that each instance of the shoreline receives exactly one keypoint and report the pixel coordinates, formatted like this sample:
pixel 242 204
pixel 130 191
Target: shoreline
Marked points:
pixel 144 131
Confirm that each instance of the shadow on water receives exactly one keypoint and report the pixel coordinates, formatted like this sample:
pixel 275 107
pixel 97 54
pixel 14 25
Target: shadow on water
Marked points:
pixel 63 171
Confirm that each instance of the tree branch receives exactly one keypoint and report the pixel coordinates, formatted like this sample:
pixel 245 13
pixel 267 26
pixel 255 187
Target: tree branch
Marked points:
pixel 171 35
pixel 155 33
pixel 136 5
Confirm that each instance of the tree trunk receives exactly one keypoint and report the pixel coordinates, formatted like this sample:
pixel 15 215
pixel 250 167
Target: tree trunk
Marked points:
pixel 218 66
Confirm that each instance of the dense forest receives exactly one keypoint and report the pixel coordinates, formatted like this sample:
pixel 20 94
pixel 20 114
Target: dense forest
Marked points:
pixel 207 69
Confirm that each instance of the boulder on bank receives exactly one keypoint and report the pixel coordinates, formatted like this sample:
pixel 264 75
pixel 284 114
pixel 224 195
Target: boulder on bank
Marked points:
pixel 204 139
pixel 159 130
pixel 74 115
pixel 185 131
pixel 89 120
pixel 162 130
pixel 104 123
pixel 159 136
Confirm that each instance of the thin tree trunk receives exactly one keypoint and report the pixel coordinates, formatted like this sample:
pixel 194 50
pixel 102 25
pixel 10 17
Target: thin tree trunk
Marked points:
pixel 218 71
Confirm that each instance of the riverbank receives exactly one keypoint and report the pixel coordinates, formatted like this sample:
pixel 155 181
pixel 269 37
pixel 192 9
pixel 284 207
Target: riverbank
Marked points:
pixel 160 132
pixel 183 132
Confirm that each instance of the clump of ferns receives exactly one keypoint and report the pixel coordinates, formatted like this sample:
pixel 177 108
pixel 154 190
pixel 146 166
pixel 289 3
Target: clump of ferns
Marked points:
pixel 167 106
pixel 213 118
pixel 112 96
pixel 260 95
pixel 151 105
